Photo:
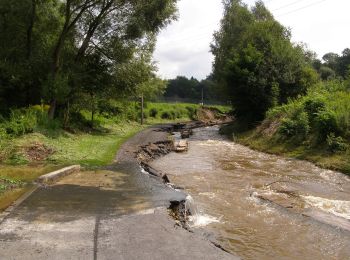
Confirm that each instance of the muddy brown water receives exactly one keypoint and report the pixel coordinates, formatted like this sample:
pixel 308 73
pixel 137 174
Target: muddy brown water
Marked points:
pixel 262 206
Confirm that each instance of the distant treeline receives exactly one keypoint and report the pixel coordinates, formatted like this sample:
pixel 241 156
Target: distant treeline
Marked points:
pixel 190 89
pixel 333 66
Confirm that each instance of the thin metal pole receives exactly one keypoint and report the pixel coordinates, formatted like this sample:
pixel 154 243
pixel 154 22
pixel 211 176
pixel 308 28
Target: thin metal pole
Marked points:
pixel 142 109
pixel 202 96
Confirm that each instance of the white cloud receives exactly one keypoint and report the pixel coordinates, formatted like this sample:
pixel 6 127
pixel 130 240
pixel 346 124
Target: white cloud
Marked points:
pixel 322 24
pixel 183 47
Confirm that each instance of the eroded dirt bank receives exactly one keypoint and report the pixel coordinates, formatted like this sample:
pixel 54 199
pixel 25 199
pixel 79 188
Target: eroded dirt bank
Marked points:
pixel 117 212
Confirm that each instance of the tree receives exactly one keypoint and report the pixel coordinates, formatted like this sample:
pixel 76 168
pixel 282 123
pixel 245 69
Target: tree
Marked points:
pixel 344 63
pixel 331 59
pixel 27 31
pixel 256 62
pixel 111 27
pixel 182 87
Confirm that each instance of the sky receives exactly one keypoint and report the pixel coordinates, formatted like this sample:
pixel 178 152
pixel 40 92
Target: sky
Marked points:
pixel 183 48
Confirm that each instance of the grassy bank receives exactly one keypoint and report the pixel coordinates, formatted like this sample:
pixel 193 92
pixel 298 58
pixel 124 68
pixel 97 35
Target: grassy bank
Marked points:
pixel 32 155
pixel 315 127
pixel 318 155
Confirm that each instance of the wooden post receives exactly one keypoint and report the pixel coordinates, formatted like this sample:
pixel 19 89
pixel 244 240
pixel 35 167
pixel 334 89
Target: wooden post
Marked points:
pixel 142 119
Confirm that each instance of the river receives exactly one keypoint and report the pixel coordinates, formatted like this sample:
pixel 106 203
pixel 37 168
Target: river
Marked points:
pixel 261 206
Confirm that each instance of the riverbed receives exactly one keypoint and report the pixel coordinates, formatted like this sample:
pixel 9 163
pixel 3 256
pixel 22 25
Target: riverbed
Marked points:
pixel 261 206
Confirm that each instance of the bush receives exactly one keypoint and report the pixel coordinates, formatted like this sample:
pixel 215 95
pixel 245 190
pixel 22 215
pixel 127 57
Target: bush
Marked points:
pixel 192 112
pixel 296 127
pixel 145 115
pixel 77 120
pixel 48 124
pixel 3 133
pixel 326 123
pixel 108 109
pixel 166 115
pixel 313 106
pixel 41 108
pixel 153 112
pixel 21 121
pixel 336 144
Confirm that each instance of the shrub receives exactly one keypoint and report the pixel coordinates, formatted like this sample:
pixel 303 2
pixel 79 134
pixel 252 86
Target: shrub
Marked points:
pixel 174 114
pixel 192 112
pixel 166 115
pixel 48 124
pixel 108 109
pixel 41 108
pixel 153 112
pixel 78 120
pixel 336 144
pixel 296 127
pixel 326 123
pixel 145 115
pixel 21 121
pixel 314 106
pixel 3 133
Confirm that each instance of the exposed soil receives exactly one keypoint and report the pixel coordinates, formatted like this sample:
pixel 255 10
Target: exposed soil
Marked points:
pixel 212 116
pixel 153 151
pixel 37 151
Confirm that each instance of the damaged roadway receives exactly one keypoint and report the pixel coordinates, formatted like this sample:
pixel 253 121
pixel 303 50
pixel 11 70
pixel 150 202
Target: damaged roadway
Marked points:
pixel 115 213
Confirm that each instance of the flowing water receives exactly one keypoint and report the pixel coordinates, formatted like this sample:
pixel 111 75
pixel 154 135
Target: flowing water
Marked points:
pixel 262 206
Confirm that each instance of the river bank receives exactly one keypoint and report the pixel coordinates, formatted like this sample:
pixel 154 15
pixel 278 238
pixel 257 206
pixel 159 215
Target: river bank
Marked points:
pixel 264 139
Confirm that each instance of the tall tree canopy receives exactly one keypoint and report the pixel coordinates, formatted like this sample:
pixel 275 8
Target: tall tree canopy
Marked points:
pixel 256 62
pixel 47 46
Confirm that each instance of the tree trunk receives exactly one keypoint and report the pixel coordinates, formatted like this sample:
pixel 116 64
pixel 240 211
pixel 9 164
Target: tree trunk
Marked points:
pixel 52 109
pixel 92 109
pixel 30 30
pixel 66 115
pixel 56 62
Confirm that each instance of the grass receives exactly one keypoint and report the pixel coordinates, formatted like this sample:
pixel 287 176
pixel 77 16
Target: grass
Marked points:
pixel 92 149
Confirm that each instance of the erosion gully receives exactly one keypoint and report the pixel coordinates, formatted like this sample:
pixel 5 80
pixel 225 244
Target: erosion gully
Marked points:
pixel 261 206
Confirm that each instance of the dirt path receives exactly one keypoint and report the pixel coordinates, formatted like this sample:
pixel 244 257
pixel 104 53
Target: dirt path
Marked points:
pixel 114 213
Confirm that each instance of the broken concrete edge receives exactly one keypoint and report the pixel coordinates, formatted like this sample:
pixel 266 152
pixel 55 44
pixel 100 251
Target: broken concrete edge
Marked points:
pixel 54 176
pixel 14 205
pixel 177 209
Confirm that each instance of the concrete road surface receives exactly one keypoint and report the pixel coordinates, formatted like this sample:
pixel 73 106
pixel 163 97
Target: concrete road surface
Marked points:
pixel 113 213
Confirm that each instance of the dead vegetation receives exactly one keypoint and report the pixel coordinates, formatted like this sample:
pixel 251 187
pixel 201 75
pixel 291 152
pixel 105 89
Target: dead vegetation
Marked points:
pixel 37 151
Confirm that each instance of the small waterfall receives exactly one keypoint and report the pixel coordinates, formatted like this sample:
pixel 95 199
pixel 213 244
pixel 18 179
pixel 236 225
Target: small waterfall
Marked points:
pixel 196 218
pixel 190 207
